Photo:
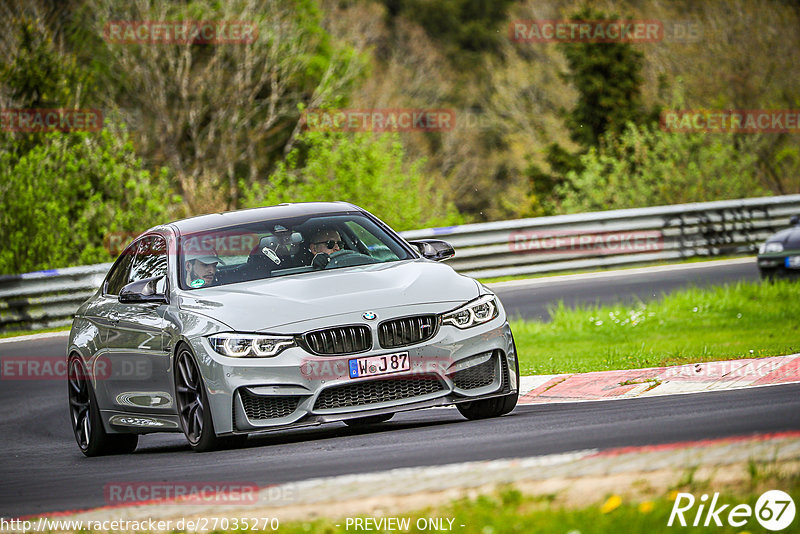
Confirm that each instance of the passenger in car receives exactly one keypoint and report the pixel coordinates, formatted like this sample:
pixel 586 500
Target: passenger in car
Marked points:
pixel 201 269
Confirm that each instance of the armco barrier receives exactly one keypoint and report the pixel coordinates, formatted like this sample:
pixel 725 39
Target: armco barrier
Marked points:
pixel 682 231
pixel 46 299
pixel 525 246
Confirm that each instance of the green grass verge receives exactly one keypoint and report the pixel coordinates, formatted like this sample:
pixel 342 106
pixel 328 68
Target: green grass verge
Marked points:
pixel 743 320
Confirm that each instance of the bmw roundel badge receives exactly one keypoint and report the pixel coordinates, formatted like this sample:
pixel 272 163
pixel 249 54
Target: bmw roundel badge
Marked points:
pixel 369 316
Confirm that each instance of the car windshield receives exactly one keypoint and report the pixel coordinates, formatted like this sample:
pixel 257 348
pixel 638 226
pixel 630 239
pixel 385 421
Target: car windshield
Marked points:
pixel 283 247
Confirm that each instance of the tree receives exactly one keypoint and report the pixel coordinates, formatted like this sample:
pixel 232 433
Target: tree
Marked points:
pixel 608 79
pixel 367 170
pixel 36 72
pixel 222 114
pixel 646 166
pixel 466 28
pixel 62 200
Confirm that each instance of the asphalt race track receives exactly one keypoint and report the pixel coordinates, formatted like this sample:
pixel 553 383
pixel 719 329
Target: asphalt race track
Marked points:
pixel 43 470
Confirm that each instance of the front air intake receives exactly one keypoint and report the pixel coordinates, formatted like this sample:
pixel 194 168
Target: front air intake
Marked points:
pixel 376 391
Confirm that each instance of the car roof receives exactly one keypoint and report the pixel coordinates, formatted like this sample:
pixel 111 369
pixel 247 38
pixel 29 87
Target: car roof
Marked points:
pixel 214 221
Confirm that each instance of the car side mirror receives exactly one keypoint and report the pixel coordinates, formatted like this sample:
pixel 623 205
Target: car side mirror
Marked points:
pixel 794 220
pixel 148 290
pixel 434 249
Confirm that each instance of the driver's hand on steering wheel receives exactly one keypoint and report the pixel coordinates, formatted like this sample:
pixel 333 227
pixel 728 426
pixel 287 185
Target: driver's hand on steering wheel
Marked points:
pixel 320 260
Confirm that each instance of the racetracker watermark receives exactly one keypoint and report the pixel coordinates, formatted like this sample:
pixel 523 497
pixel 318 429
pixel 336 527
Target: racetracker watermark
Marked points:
pixel 733 369
pixel 584 242
pixel 683 31
pixel 180 32
pixel 379 120
pixel 731 121
pixel 117 493
pixel 51 368
pixel 51 120
pixel 219 243
pixel 586 31
pixel 145 525
pixel 326 368
pixel 774 511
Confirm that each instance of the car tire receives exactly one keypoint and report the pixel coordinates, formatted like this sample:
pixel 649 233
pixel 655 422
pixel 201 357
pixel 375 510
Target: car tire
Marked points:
pixel 87 424
pixel 369 420
pixel 191 399
pixel 495 407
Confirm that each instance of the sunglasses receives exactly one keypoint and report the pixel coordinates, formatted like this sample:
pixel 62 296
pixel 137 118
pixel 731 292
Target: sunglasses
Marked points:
pixel 330 243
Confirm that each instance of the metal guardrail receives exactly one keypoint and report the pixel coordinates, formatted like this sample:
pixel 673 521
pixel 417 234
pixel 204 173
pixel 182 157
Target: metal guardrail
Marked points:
pixel 530 246
pixel 526 246
pixel 47 299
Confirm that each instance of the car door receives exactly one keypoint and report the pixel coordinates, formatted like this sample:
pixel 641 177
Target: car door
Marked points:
pixel 102 313
pixel 140 375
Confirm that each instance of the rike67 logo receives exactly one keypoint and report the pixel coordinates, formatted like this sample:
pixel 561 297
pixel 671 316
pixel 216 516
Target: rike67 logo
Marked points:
pixel 774 511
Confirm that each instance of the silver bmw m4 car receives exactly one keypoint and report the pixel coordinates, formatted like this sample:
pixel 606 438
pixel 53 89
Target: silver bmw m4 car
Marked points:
pixel 231 324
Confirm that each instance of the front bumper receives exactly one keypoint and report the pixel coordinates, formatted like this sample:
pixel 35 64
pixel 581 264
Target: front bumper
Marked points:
pixel 297 388
pixel 779 265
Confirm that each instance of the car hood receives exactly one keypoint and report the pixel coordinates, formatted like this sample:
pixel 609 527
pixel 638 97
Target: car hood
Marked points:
pixel 260 305
pixel 790 237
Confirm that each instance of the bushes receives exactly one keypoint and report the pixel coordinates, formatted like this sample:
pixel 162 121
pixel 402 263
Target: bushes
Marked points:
pixel 60 201
pixel 648 167
pixel 369 171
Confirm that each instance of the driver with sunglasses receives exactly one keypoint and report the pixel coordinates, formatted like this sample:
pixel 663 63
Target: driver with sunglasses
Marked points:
pixel 324 241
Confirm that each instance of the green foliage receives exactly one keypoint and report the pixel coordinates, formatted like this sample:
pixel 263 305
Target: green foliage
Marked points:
pixel 544 185
pixel 464 27
pixel 60 201
pixel 39 76
pixel 366 170
pixel 646 166
pixel 608 79
pixel 224 117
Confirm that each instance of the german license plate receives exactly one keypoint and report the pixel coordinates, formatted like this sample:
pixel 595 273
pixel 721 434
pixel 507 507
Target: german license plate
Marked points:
pixel 792 262
pixel 379 365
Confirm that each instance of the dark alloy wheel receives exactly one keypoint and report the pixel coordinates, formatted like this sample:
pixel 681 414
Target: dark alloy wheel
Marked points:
pixel 87 425
pixel 79 404
pixel 193 409
pixel 188 388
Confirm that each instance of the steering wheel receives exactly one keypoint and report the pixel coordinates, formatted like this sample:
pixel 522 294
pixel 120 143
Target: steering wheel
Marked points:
pixel 345 258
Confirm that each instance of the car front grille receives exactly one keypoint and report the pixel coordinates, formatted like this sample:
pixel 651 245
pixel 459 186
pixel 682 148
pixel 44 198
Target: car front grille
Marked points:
pixel 339 340
pixel 375 391
pixel 267 406
pixel 477 376
pixel 406 331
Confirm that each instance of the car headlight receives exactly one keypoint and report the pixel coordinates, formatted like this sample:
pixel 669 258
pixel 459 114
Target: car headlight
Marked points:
pixel 236 345
pixel 766 248
pixel 473 313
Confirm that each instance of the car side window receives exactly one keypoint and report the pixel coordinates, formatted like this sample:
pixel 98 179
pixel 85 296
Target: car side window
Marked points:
pixel 118 276
pixel 150 259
